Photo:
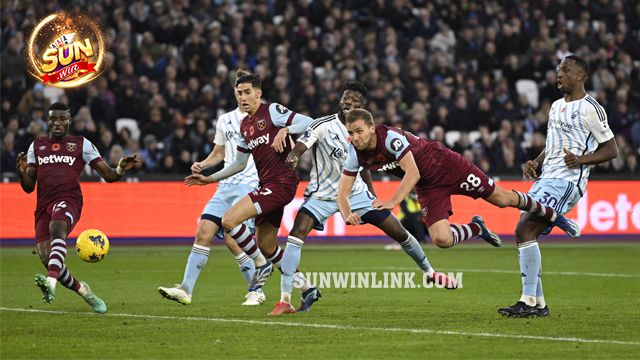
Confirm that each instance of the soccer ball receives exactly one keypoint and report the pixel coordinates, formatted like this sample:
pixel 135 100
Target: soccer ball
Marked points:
pixel 92 245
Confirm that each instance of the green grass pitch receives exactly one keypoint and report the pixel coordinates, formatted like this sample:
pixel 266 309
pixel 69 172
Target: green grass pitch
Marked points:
pixel 592 291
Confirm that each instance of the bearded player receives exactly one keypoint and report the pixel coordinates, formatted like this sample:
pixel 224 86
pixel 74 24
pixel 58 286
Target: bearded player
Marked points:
pixel 54 163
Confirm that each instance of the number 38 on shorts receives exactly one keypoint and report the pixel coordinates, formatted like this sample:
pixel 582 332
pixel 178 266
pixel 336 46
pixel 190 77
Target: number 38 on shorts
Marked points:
pixel 472 183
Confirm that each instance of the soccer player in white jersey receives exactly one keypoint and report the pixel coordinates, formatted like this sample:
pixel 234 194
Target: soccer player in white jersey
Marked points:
pixel 327 136
pixel 229 191
pixel 578 136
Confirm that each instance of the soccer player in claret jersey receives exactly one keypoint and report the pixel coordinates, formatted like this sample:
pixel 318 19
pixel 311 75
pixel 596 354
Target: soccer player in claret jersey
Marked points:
pixel 265 134
pixel 54 163
pixel 229 191
pixel 328 138
pixel 577 125
pixel 437 173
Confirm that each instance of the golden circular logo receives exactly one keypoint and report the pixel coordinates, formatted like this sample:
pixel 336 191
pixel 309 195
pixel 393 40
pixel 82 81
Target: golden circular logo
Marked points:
pixel 66 50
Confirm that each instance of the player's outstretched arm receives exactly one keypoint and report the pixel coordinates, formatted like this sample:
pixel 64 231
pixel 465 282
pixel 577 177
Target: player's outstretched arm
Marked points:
pixel 409 180
pixel 606 151
pixel 26 174
pixel 110 174
pixel 215 157
pixel 298 124
pixel 344 189
pixel 294 155
pixel 235 167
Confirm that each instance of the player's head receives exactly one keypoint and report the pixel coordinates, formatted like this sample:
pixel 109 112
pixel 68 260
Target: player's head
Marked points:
pixel 361 128
pixel 248 91
pixel 572 72
pixel 353 95
pixel 59 119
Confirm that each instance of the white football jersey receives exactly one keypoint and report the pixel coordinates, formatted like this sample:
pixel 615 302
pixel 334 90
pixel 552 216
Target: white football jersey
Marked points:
pixel 228 134
pixel 579 126
pixel 326 138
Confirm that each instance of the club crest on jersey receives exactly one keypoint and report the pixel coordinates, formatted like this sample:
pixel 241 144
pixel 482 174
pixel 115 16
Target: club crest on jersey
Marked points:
pixel 71 147
pixel 262 123
pixel 575 115
pixel 55 147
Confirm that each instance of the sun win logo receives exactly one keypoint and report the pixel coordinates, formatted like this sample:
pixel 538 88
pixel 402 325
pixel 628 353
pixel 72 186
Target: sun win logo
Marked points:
pixel 264 139
pixel 56 159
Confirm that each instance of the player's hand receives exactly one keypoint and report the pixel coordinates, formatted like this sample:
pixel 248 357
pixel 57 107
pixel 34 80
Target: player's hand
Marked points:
pixel 530 170
pixel 352 219
pixel 292 160
pixel 571 159
pixel 21 162
pixel 197 179
pixel 379 204
pixel 196 167
pixel 280 141
pixel 128 162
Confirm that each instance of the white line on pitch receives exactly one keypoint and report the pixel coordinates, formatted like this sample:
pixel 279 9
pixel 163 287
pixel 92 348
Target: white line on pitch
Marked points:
pixel 335 327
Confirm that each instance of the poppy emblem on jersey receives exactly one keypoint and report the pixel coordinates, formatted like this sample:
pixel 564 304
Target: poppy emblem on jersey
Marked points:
pixel 55 147
pixel 262 123
pixel 251 131
pixel 380 157
pixel 71 147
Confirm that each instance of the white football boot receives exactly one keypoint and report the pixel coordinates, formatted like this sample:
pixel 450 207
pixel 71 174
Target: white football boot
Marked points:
pixel 254 298
pixel 175 293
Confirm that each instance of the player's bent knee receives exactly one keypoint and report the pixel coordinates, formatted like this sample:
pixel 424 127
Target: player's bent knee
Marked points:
pixel 500 198
pixel 229 223
pixel 204 238
pixel 442 241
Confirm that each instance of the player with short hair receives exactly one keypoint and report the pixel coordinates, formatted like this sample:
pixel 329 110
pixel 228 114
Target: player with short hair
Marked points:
pixel 229 191
pixel 327 137
pixel 437 173
pixel 265 134
pixel 577 125
pixel 54 164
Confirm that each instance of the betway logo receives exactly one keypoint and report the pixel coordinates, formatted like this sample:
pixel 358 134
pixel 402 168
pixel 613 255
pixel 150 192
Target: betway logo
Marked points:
pixel 389 166
pixel 56 159
pixel 264 139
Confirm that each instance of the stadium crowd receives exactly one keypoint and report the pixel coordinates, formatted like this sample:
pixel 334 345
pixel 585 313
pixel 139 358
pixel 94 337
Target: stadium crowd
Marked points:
pixel 478 77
